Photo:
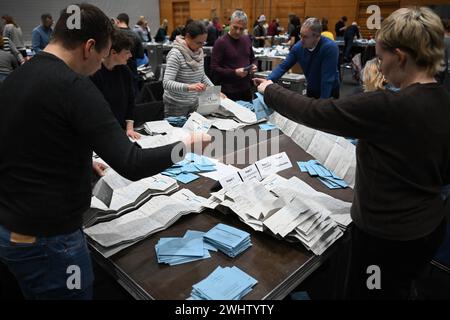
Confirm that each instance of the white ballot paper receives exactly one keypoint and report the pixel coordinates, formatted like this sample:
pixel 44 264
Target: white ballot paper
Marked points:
pixel 197 123
pixel 241 113
pixel 209 100
pixel 273 164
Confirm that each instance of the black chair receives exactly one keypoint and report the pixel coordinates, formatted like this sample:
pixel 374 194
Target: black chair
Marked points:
pixel 149 111
pixel 151 92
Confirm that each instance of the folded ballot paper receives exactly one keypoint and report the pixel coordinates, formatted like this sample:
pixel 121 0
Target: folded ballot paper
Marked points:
pixel 115 195
pixel 327 177
pixel 157 214
pixel 191 247
pixel 184 171
pixel 229 240
pixel 223 284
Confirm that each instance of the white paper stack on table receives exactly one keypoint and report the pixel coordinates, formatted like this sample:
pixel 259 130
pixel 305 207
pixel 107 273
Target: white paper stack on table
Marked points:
pixel 229 240
pixel 288 208
pixel 113 192
pixel 335 153
pixel 191 247
pixel 157 214
pixel 223 284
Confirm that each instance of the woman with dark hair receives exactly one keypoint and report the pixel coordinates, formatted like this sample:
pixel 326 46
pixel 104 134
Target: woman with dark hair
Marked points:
pixel 325 31
pixel 115 81
pixel 12 31
pixel 185 75
pixel 294 35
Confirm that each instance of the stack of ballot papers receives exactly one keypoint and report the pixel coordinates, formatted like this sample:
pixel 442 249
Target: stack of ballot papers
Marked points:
pixel 154 141
pixel 288 209
pixel 191 247
pixel 114 194
pixel 258 106
pixel 158 127
pixel 155 215
pixel 328 178
pixel 184 170
pixel 229 240
pixel 223 284
pixel 177 121
pixel 335 153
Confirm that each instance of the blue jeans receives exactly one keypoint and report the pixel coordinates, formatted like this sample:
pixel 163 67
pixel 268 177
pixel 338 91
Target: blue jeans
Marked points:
pixel 57 267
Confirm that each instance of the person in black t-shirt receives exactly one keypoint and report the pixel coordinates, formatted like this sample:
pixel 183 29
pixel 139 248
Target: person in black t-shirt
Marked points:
pixel 340 27
pixel 114 80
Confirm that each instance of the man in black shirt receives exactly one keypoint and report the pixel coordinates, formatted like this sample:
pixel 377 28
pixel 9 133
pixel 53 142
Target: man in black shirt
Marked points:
pixel 340 27
pixel 115 81
pixel 351 33
pixel 58 118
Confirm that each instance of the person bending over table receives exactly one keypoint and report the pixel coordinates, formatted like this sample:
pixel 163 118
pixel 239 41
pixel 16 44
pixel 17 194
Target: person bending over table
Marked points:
pixel 403 155
pixel 115 81
pixel 46 170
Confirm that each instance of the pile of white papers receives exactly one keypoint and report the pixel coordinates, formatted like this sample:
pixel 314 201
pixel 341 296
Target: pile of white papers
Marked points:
pixel 335 153
pixel 158 127
pixel 287 208
pixel 175 251
pixel 223 284
pixel 155 215
pixel 174 135
pixel 229 240
pixel 113 192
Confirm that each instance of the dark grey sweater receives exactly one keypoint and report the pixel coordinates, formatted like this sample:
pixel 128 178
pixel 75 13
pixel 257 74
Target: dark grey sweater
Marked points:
pixel 403 153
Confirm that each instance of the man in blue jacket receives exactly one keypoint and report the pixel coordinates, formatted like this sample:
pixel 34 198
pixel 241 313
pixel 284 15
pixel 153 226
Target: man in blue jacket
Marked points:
pixel 318 56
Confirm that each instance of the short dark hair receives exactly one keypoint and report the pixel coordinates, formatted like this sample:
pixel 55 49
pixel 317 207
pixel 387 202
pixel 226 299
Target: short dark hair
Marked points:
pixel 94 25
pixel 344 18
pixel 123 17
pixel 44 16
pixel 121 41
pixel 195 28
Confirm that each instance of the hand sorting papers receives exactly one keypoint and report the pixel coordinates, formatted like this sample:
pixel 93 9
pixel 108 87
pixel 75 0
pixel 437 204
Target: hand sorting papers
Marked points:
pixel 223 284
pixel 184 170
pixel 229 240
pixel 328 178
pixel 191 247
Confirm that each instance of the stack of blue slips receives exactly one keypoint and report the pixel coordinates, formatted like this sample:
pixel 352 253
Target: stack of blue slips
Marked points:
pixel 223 284
pixel 191 247
pixel 229 240
pixel 177 121
pixel 184 170
pixel 328 178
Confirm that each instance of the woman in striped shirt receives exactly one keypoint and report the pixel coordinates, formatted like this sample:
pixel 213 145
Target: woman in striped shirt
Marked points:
pixel 185 75
pixel 7 45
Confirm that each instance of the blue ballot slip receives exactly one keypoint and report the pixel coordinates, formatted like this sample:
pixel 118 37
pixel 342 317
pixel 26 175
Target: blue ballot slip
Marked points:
pixel 191 247
pixel 267 126
pixel 327 177
pixel 223 284
pixel 229 240
pixel 186 177
pixel 184 170
pixel 261 109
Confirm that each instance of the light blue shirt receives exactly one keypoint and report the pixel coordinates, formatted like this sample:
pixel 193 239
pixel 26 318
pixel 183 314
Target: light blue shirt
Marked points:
pixel 40 38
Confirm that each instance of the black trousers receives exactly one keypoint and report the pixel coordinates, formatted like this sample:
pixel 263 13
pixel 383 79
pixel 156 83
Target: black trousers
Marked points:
pixel 399 262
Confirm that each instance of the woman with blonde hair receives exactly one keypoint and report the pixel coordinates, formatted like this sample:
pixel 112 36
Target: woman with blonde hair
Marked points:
pixel 372 77
pixel 403 155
